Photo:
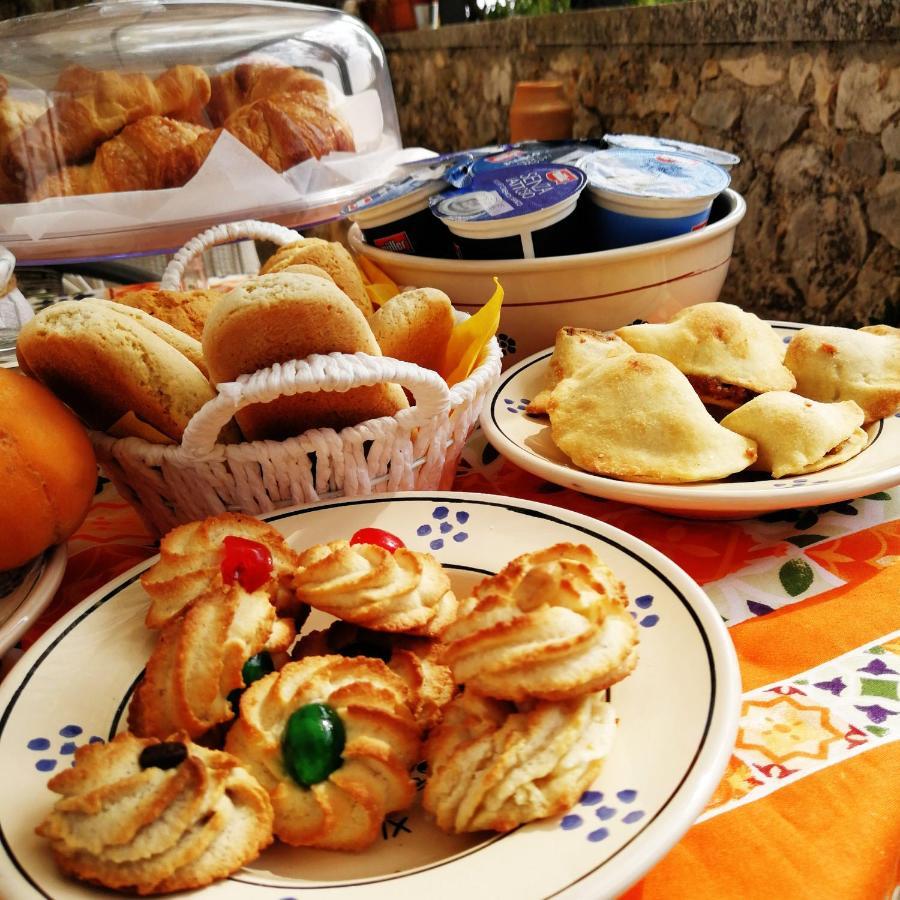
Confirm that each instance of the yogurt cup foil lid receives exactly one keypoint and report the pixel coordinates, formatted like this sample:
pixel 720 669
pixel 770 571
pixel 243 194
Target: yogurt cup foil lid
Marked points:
pixel 398 189
pixel 652 174
pixel 646 142
pixel 565 152
pixel 509 192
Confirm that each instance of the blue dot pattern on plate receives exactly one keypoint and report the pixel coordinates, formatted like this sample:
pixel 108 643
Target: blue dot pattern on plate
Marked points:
pixel 65 750
pixel 516 406
pixel 644 602
pixel 611 816
pixel 446 526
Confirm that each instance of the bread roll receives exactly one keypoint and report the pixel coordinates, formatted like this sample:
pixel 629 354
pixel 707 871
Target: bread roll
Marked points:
pixel 415 326
pixel 185 310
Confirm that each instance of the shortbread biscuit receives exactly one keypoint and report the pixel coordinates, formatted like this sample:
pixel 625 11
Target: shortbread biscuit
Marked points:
pixel 357 780
pixel 190 566
pixel 795 435
pixel 154 818
pixel 403 591
pixel 552 624
pixel 833 363
pixel 415 326
pixel 288 316
pixel 199 660
pixel 493 767
pixel 331 256
pixel 185 310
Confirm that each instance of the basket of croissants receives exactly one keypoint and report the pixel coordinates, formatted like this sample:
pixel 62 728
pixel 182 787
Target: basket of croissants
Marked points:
pixel 287 389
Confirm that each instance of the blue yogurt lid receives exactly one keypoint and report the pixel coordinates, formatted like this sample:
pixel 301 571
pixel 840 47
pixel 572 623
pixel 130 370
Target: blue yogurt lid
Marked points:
pixel 398 189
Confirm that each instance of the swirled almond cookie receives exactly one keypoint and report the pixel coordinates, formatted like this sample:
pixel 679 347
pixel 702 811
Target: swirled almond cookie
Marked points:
pixel 386 591
pixel 218 646
pixel 332 740
pixel 137 814
pixel 493 767
pixel 415 660
pixel 202 556
pixel 551 624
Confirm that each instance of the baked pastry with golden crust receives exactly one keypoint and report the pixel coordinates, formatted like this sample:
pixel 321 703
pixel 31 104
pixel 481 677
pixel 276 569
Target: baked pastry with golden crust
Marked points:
pixel 199 660
pixel 332 740
pixel 190 566
pixel 365 584
pixel 184 310
pixel 728 355
pixel 416 660
pixel 636 417
pixel 139 815
pixel 493 767
pixel 551 624
pixel 844 364
pixel 795 435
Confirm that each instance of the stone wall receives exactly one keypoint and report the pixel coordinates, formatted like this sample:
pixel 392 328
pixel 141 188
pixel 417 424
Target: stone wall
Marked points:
pixel 807 93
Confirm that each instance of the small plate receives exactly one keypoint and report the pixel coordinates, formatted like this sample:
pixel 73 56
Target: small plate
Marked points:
pixel 526 441
pixel 30 592
pixel 677 722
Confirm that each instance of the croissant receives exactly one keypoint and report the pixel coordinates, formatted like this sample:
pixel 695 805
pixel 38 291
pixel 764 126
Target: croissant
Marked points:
pixel 15 117
pixel 255 81
pixel 134 160
pixel 81 121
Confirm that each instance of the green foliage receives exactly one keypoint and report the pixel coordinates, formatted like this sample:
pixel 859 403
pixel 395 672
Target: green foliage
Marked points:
pixel 501 9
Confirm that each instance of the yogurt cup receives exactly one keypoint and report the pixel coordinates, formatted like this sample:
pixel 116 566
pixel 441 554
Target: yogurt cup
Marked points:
pixel 515 212
pixel 643 195
pixel 646 142
pixel 396 216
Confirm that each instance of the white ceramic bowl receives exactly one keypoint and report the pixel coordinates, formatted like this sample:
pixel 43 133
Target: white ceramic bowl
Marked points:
pixel 600 290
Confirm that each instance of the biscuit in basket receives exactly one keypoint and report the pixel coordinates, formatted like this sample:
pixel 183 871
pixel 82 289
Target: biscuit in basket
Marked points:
pixel 728 355
pixel 191 558
pixel 288 316
pixel 574 349
pixel 415 326
pixel 795 435
pixel 637 418
pixel 331 256
pixel 104 364
pixel 493 767
pixel 415 660
pixel 552 624
pixel 216 648
pixel 403 591
pixel 139 815
pixel 833 363
pixel 332 740
pixel 185 310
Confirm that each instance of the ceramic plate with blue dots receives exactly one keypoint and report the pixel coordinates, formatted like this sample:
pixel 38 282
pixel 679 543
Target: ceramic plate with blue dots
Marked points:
pixel 526 441
pixel 25 592
pixel 677 721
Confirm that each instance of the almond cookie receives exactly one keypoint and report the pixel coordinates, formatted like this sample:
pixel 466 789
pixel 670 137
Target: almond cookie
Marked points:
pixel 222 643
pixel 137 814
pixel 365 584
pixel 493 767
pixel 196 558
pixel 551 624
pixel 332 740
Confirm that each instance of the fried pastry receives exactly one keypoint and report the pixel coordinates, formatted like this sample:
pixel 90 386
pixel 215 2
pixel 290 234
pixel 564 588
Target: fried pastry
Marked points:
pixel 551 624
pixel 191 558
pixel 574 349
pixel 203 656
pixel 416 660
pixel 139 815
pixel 636 418
pixel 795 435
pixel 493 767
pixel 332 740
pixel 365 584
pixel 728 355
pixel 833 363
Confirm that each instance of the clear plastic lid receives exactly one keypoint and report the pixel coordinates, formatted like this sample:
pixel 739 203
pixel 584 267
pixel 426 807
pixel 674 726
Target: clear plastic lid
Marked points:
pixel 129 126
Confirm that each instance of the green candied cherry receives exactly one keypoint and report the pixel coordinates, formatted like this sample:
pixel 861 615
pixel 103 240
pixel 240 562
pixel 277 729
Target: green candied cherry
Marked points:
pixel 256 667
pixel 312 743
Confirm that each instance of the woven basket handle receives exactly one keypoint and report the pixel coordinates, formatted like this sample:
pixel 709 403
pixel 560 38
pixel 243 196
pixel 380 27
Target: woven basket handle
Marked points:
pixel 223 234
pixel 331 372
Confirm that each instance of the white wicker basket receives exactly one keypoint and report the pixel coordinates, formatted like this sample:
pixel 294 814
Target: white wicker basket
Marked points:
pixel 418 448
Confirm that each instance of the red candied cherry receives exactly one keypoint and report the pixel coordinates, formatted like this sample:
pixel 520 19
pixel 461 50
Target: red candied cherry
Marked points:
pixel 379 537
pixel 247 562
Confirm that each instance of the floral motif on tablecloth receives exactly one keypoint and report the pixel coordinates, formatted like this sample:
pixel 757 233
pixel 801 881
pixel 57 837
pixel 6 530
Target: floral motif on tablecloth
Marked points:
pixel 818 718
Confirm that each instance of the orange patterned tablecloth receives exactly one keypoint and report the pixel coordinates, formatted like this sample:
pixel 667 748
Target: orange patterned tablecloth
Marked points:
pixel 810 803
